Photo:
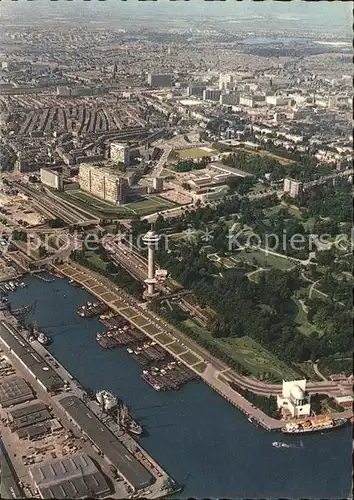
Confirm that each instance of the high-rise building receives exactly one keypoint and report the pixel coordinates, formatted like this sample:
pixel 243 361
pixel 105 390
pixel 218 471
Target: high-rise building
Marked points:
pixel 225 81
pixel 211 95
pixel 159 80
pixel 105 183
pixel 158 184
pixel 195 89
pixel 52 178
pixel 119 152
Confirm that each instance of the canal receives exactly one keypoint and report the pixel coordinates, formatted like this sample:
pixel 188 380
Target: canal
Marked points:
pixel 201 440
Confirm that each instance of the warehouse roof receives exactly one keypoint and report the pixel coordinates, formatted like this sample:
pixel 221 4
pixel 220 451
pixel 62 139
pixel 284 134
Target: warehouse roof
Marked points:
pixel 105 441
pixel 39 368
pixel 27 410
pixel 72 477
pixel 14 391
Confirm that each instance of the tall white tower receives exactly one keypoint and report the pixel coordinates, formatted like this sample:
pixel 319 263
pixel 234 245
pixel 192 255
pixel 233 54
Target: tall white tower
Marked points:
pixel 151 240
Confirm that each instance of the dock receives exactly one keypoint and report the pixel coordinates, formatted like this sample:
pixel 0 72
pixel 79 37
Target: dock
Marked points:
pixel 59 389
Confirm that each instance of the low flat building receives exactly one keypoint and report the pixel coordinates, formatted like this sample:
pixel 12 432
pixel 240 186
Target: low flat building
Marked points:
pixel 73 477
pixel 30 359
pixel 126 464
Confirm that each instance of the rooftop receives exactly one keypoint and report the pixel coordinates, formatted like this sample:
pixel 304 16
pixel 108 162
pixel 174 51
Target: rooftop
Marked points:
pixel 74 477
pixel 39 368
pixel 102 437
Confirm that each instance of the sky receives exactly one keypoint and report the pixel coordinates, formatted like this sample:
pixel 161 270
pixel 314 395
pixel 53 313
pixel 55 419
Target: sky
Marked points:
pixel 328 17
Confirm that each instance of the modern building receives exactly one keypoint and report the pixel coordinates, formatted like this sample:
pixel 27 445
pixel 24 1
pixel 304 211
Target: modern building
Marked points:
pixel 158 184
pixel 195 89
pixel 292 187
pixel 294 399
pixel 119 152
pixel 103 182
pixel 52 178
pixel 211 94
pixel 159 80
pixel 225 81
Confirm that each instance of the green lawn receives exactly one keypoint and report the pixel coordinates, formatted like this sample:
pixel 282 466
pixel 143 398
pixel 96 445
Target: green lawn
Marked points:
pixel 200 367
pixel 190 358
pixel 300 318
pixel 176 348
pixel 193 153
pixel 96 260
pixel 250 354
pixel 104 210
pixel 261 259
pixel 162 337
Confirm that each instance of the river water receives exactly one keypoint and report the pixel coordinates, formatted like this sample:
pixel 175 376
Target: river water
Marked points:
pixel 201 440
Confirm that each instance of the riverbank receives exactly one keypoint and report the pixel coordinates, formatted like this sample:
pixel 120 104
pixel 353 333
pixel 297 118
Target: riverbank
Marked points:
pixel 208 446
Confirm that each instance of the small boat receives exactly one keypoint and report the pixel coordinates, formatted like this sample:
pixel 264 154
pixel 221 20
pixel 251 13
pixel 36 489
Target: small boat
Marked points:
pixel 279 444
pixel 43 338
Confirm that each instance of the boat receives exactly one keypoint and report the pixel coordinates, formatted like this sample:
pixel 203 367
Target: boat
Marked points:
pixel 128 423
pixel 315 424
pixel 43 338
pixel 279 444
pixel 106 400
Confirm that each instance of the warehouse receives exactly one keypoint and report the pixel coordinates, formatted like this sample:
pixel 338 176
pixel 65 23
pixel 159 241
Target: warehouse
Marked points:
pixel 14 391
pixel 74 477
pixel 9 487
pixel 33 362
pixel 126 464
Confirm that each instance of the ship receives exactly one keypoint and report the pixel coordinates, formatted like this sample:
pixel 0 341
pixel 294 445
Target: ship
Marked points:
pixel 41 337
pixel 128 423
pixel 106 400
pixel 314 424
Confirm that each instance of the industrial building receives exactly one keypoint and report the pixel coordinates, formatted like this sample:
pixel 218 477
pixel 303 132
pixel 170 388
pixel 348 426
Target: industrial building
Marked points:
pixel 126 464
pixel 159 80
pixel 30 359
pixel 104 182
pixel 9 483
pixel 14 391
pixel 73 477
pixel 52 179
pixel 119 152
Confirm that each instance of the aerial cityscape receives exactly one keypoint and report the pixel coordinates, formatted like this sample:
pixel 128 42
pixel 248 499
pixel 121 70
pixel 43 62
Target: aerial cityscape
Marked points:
pixel 176 249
